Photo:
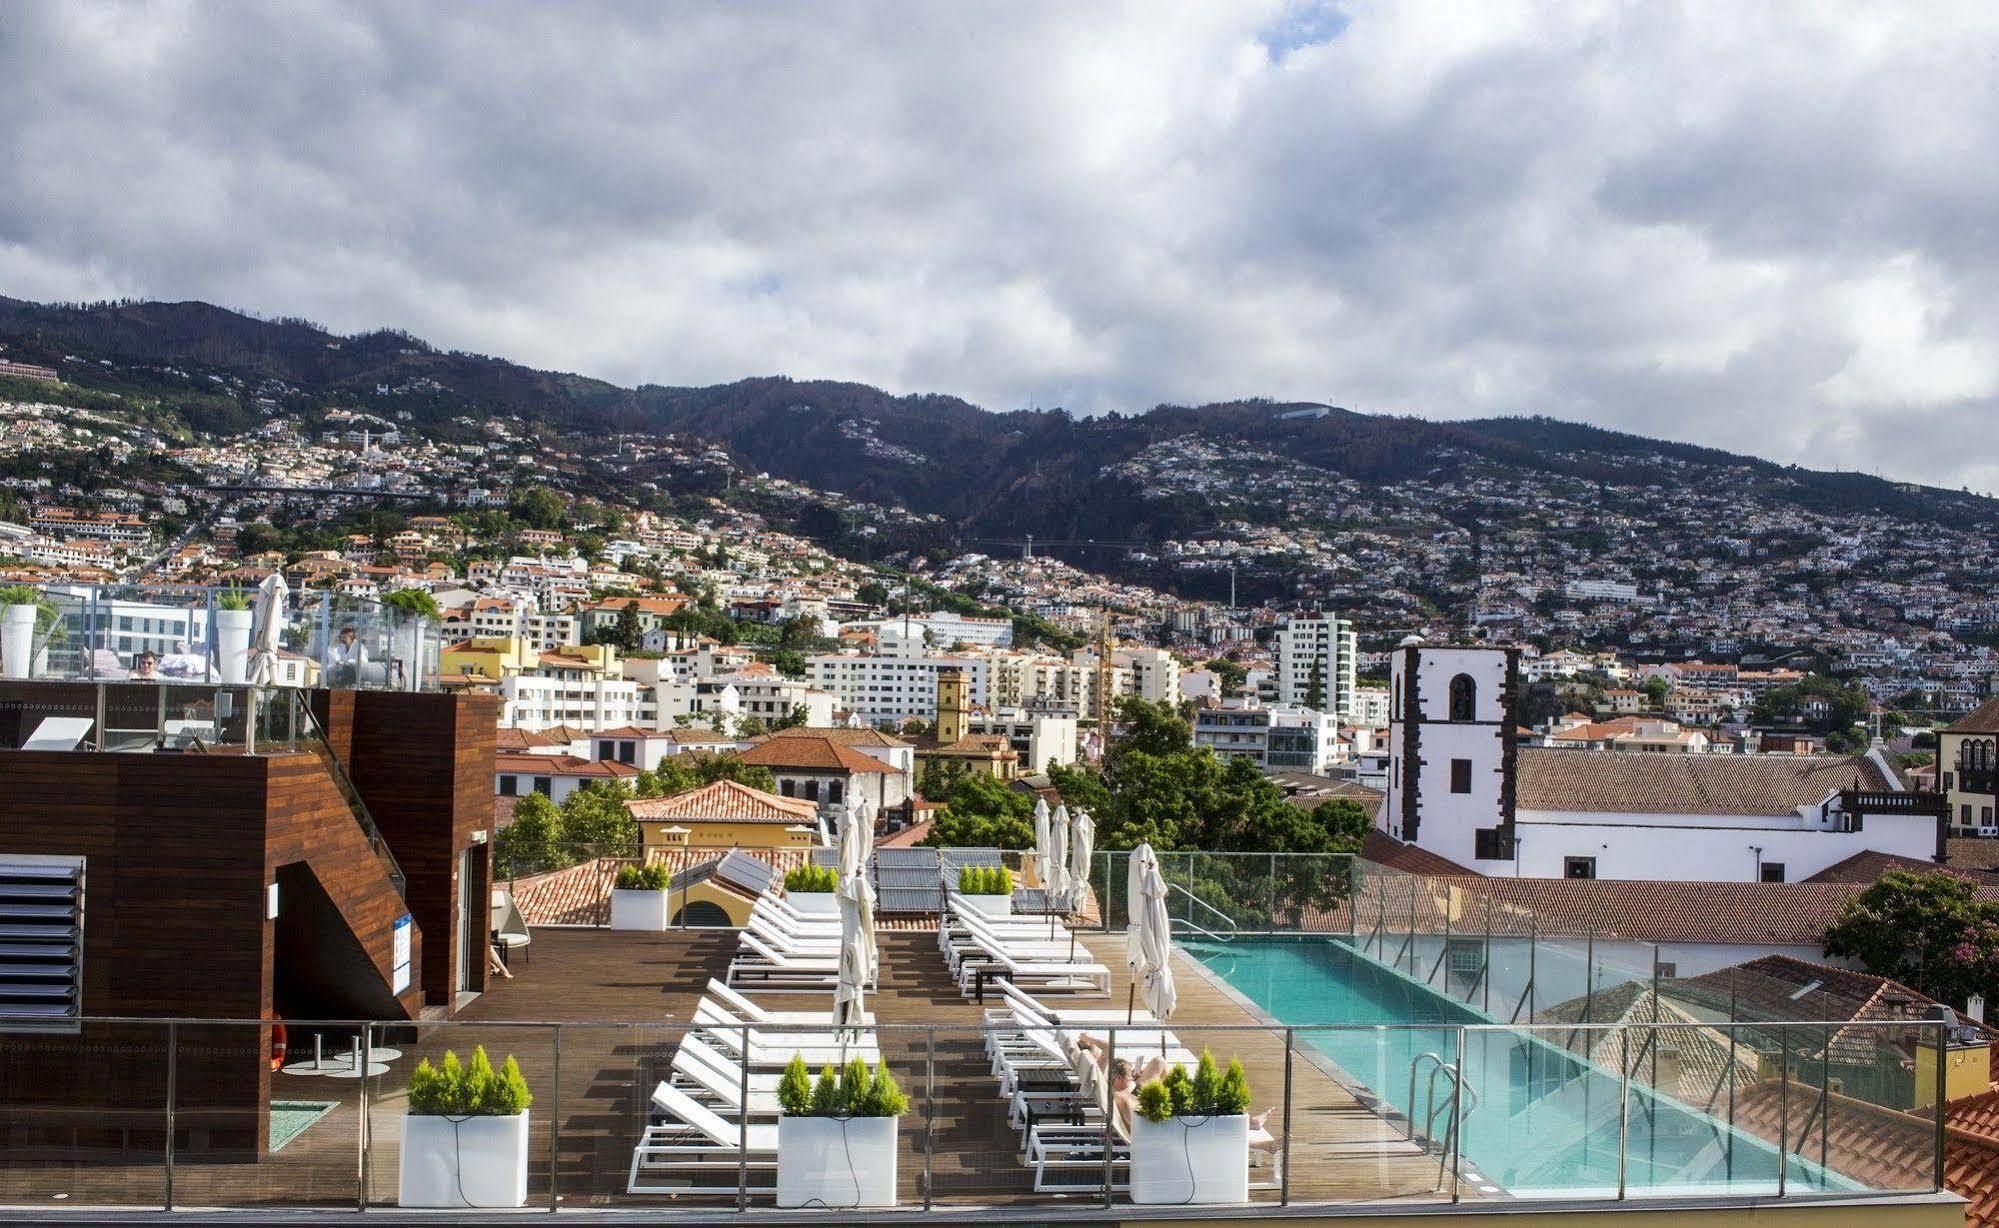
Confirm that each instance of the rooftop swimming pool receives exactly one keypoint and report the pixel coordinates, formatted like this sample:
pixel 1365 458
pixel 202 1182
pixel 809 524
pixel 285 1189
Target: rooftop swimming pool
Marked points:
pixel 1542 1121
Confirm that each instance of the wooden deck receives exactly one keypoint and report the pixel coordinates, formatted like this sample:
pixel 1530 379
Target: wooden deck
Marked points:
pixel 624 999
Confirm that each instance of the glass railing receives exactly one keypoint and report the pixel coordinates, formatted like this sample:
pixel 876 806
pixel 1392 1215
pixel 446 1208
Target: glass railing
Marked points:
pixel 189 634
pixel 153 718
pixel 647 1118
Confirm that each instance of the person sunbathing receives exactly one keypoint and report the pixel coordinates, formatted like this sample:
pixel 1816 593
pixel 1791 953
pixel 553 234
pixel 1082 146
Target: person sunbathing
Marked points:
pixel 1126 1080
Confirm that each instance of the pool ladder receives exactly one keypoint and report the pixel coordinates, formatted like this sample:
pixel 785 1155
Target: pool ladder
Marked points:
pixel 1430 1106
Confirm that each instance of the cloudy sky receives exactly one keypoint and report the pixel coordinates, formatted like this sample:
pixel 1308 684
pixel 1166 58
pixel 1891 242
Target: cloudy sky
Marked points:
pixel 1768 228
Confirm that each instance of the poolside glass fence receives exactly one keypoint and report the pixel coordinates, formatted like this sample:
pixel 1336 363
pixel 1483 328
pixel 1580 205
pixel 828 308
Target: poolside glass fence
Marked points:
pixel 184 1114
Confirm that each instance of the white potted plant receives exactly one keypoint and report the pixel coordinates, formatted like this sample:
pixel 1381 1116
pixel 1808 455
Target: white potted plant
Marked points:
pixel 836 1139
pixel 27 625
pixel 465 1135
pixel 233 617
pixel 639 899
pixel 1190 1141
pixel 987 888
pixel 811 891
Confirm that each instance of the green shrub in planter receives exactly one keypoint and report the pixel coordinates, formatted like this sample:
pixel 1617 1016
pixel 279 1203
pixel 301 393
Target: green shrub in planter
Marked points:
pixel 985 880
pixel 652 877
pixel 453 1089
pixel 1207 1093
pixel 852 1092
pixel 232 598
pixel 810 878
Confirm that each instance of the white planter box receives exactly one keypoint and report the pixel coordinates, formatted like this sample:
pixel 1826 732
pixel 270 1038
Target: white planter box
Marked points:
pixel 1215 1150
pixel 815 903
pixel 463 1162
pixel 990 905
pixel 17 640
pixel 833 1163
pixel 639 910
pixel 232 644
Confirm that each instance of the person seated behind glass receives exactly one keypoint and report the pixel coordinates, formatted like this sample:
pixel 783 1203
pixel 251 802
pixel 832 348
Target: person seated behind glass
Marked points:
pixel 146 667
pixel 345 659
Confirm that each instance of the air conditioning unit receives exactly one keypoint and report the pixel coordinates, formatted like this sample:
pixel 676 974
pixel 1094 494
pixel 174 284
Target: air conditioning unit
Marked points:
pixel 1988 830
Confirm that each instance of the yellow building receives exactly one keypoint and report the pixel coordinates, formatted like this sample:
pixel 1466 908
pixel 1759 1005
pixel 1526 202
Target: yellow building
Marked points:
pixel 494 658
pixel 727 815
pixel 954 743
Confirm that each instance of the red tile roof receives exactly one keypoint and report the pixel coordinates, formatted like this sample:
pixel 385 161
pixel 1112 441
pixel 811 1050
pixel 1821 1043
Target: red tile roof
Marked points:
pixel 811 754
pixel 561 765
pixel 1982 719
pixel 1383 849
pixel 1612 782
pixel 726 801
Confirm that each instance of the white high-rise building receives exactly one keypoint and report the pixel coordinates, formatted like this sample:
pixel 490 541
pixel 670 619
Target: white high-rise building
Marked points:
pixel 1317 654
pixel 1155 674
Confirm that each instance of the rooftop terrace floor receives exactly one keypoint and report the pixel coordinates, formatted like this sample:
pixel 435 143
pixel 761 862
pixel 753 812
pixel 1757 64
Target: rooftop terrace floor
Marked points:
pixel 593 1110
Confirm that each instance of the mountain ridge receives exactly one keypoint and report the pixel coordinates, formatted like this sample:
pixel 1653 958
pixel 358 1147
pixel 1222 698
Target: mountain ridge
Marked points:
pixel 1001 473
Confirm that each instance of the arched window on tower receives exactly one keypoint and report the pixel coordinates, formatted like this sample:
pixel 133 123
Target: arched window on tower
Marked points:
pixel 1464 698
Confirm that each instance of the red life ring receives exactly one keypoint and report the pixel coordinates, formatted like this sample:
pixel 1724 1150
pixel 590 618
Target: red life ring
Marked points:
pixel 277 1046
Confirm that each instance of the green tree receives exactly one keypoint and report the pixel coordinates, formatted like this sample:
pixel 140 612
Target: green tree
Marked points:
pixel 537 507
pixel 1928 930
pixel 788 661
pixel 1657 689
pixel 1315 686
pixel 982 812
pixel 414 601
pixel 872 593
pixel 533 841
pixel 596 815
pixel 628 634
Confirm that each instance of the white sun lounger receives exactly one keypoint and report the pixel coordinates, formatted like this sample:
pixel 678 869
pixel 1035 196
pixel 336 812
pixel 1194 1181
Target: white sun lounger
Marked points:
pixel 771 1049
pixel 750 1012
pixel 757 962
pixel 694 1138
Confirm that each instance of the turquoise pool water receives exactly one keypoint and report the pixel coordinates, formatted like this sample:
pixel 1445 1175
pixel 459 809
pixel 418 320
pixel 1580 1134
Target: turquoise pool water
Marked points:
pixel 1544 1122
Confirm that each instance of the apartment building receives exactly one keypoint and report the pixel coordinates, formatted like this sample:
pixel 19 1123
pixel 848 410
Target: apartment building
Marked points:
pixel 1155 674
pixel 882 687
pixel 1274 737
pixel 1316 664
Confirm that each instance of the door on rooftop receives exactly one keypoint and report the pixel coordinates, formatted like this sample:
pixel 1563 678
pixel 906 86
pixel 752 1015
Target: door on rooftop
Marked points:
pixel 470 926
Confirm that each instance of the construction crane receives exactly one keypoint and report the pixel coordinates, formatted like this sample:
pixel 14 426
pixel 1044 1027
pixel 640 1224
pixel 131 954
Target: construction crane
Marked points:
pixel 1104 672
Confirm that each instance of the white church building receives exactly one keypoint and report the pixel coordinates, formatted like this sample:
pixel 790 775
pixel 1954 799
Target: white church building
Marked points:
pixel 1461 785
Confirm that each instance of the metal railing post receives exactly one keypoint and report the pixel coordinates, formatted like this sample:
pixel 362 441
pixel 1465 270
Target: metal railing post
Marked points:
pixel 1454 1154
pixel 1623 1107
pixel 1270 913
pixel 1110 1105
pixel 173 1088
pixel 1943 1049
pixel 1784 1108
pixel 555 1121
pixel 1589 978
pixel 743 1126
pixel 929 1112
pixel 1284 1174
pixel 361 1139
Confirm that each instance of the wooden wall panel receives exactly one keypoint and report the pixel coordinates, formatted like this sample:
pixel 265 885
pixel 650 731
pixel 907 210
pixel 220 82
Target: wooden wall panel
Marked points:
pixel 424 765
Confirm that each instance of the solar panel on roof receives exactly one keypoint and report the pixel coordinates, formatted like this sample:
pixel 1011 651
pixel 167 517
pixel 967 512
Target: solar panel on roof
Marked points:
pixel 906 879
pixel 752 874
pixel 906 858
pixel 954 858
pixel 695 873
pixel 910 899
pixel 1031 899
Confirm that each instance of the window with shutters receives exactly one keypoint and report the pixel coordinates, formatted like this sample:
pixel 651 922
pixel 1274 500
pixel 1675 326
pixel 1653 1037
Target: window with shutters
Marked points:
pixel 41 943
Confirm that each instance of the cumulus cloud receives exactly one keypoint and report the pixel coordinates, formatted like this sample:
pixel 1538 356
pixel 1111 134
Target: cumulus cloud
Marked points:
pixel 1760 227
